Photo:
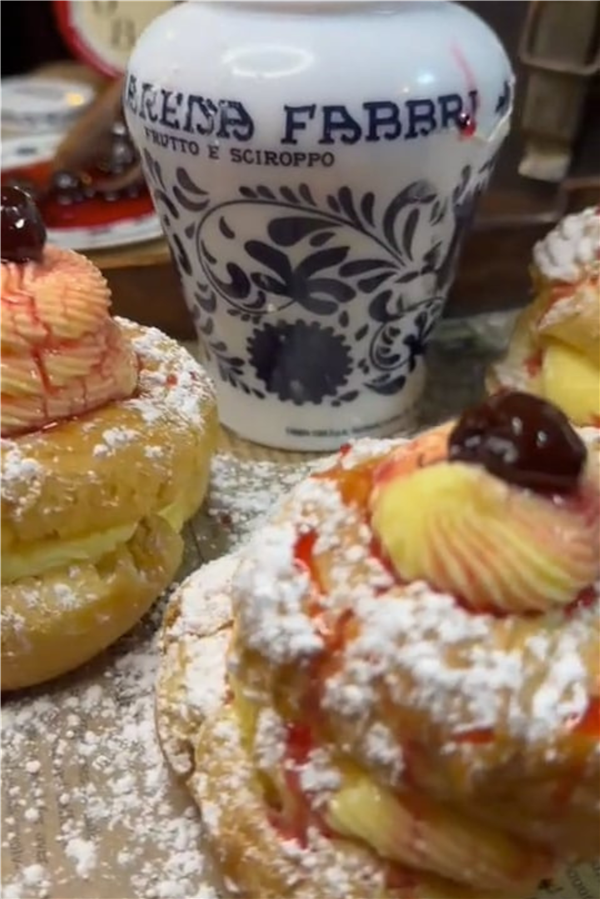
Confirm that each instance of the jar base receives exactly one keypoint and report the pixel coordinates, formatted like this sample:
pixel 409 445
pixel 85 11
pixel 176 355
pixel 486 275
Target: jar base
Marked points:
pixel 278 425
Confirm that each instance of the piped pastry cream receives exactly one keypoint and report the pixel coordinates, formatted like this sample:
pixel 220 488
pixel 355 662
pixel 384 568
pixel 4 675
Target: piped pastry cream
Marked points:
pixel 555 348
pixel 62 353
pixel 409 672
pixel 107 433
pixel 472 534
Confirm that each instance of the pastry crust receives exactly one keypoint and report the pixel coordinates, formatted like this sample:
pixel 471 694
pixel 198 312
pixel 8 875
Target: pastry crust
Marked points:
pixel 201 741
pixel 120 480
pixel 53 624
pixel 119 463
pixel 554 351
pixel 462 718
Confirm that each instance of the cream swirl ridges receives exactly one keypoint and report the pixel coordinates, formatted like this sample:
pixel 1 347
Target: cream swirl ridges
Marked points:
pixel 62 354
pixel 460 743
pixel 478 538
pixel 370 738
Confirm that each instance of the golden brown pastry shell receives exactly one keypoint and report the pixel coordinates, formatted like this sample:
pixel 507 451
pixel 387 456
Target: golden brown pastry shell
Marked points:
pixel 116 464
pixel 503 786
pixel 54 623
pixel 202 745
pixel 121 465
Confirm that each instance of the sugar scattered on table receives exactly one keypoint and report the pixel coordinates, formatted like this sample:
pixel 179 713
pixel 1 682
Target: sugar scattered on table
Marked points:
pixel 85 752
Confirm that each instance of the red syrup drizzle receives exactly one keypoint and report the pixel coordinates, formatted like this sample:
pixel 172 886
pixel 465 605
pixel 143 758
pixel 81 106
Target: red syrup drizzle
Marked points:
pixel 466 123
pixel 478 736
pixel 23 240
pixel 585 599
pixel 37 353
pixel 356 484
pixel 79 416
pixel 95 211
pixel 294 823
pixel 305 557
pixel 533 363
pixel 589 723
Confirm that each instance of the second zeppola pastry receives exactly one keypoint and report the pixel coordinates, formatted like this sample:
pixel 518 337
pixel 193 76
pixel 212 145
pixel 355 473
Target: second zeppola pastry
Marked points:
pixel 107 433
pixel 554 351
pixel 393 689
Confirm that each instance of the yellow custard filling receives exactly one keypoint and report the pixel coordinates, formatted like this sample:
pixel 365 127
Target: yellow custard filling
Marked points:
pixel 402 827
pixel 423 834
pixel 572 381
pixel 44 555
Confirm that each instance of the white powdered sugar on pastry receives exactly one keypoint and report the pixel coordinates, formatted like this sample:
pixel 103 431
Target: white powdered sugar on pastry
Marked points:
pixel 319 776
pixel 21 477
pixel 460 711
pixel 92 509
pixel 161 398
pixel 413 630
pixel 204 605
pixel 179 394
pixel 199 615
pixel 345 689
pixel 269 742
pixel 272 580
pixel 569 250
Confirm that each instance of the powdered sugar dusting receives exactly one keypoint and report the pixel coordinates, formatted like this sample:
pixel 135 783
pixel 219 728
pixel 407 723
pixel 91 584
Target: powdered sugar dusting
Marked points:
pixel 570 248
pixel 584 304
pixel 180 395
pixel 461 671
pixel 82 756
pixel 243 491
pixel 120 818
pixel 173 391
pixel 21 477
pixel 268 593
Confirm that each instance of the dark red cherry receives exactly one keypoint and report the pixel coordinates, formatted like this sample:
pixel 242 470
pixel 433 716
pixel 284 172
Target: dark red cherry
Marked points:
pixel 23 233
pixel 30 187
pixel 523 440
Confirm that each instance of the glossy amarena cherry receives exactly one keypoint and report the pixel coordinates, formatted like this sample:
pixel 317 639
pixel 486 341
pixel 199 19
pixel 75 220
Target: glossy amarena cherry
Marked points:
pixel 522 439
pixel 23 233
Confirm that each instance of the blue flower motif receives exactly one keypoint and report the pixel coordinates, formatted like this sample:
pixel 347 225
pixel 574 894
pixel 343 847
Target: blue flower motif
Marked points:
pixel 417 343
pixel 300 362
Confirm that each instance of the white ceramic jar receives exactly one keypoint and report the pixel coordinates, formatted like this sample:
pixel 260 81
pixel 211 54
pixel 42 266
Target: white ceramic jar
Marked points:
pixel 315 165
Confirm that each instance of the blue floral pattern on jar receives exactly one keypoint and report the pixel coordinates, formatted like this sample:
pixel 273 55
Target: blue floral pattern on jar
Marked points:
pixel 338 293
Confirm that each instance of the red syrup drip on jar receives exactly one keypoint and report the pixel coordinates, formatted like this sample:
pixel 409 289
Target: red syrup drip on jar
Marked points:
pixel 467 125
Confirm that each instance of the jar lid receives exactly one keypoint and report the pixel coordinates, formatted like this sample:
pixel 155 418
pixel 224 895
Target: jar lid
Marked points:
pixel 36 105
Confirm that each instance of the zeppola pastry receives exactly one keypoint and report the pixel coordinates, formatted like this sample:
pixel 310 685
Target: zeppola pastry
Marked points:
pixel 107 433
pixel 393 689
pixel 555 348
